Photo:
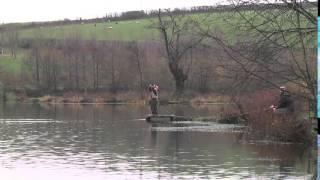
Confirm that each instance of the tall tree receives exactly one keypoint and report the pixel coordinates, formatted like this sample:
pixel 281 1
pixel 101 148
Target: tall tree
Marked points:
pixel 276 44
pixel 13 40
pixel 137 56
pixel 178 33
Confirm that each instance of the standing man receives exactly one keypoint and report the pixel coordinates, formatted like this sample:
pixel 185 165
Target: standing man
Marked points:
pixel 154 97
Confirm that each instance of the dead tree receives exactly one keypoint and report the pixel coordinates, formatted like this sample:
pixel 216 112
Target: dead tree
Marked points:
pixel 13 40
pixel 179 37
pixel 276 44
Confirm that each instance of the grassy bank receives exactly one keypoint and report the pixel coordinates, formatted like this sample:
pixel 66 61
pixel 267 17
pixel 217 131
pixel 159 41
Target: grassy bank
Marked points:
pixel 264 124
pixel 122 31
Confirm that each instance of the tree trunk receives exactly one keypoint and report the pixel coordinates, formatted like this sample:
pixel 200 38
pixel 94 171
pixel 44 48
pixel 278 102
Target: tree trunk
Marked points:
pixel 179 86
pixel 54 74
pixel 179 77
pixel 37 57
pixel 97 75
pixel 140 78
pixel 77 72
pixel 113 88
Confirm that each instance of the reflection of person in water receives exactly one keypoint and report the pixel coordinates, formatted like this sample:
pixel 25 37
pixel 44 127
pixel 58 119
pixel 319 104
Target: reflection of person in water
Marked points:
pixel 154 96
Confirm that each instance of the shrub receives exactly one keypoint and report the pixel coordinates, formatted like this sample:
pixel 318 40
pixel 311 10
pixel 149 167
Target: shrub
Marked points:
pixel 266 124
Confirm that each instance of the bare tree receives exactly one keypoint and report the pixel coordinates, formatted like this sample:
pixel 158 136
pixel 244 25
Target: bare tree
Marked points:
pixel 179 36
pixel 13 40
pixel 34 63
pixel 113 53
pixel 94 50
pixel 276 44
pixel 137 56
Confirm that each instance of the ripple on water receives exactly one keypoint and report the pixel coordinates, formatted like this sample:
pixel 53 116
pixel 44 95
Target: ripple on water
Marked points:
pixel 28 121
pixel 100 147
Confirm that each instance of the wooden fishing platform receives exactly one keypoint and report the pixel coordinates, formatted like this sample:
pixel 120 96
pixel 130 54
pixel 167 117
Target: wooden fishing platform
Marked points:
pixel 166 118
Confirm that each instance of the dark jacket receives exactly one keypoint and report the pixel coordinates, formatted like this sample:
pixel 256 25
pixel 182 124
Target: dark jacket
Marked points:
pixel 285 100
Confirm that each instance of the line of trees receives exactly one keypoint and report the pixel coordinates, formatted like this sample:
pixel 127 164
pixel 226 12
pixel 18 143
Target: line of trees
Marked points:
pixel 274 46
pixel 90 65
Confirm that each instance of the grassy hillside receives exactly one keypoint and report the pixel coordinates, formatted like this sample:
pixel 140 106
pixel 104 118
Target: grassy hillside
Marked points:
pixel 10 65
pixel 130 30
pixel 141 30
pixel 122 30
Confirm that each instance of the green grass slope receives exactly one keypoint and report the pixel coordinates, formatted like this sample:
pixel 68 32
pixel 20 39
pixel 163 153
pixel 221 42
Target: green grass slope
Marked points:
pixel 122 31
pixel 130 30
pixel 10 65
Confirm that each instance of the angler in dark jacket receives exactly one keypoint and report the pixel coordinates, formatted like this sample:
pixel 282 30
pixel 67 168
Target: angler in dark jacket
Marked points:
pixel 285 98
pixel 285 101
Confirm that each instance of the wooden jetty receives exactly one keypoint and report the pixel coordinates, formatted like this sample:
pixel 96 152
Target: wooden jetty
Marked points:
pixel 166 118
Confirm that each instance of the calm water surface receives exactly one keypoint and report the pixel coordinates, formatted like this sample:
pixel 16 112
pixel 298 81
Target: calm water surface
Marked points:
pixel 39 142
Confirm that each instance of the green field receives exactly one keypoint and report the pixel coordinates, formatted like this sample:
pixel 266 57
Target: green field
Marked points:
pixel 141 30
pixel 123 31
pixel 129 30
pixel 10 65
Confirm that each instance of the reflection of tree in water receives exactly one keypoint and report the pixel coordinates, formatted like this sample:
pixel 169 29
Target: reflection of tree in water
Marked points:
pixel 167 145
pixel 285 168
pixel 179 110
pixel 108 132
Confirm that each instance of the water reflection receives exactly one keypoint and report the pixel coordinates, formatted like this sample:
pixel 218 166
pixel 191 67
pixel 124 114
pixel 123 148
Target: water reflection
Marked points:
pixel 110 142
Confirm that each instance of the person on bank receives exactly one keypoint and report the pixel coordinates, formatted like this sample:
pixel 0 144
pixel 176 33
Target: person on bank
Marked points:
pixel 154 98
pixel 285 103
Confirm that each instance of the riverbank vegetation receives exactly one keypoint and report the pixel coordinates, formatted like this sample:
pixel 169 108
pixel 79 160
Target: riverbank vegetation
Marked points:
pixel 240 56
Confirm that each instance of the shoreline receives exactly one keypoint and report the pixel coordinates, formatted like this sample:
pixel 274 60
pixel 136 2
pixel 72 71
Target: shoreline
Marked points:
pixel 121 98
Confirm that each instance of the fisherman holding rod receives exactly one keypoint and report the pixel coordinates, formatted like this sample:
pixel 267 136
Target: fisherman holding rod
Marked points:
pixel 285 102
pixel 154 98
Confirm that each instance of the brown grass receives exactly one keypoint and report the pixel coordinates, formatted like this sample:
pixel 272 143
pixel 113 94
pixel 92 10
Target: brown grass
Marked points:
pixel 266 124
pixel 46 98
pixel 209 98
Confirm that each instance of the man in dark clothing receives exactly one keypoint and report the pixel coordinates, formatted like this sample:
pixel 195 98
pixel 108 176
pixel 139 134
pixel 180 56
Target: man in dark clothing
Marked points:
pixel 285 101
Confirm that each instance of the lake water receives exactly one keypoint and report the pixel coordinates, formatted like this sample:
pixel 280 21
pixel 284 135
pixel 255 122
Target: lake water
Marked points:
pixel 44 142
